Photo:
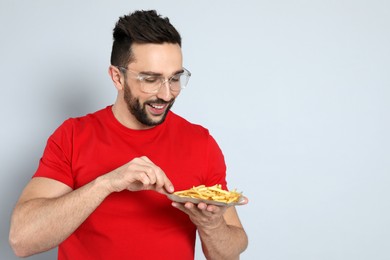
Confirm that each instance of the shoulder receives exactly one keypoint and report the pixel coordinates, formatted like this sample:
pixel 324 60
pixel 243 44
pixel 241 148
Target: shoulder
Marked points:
pixel 80 124
pixel 97 117
pixel 186 126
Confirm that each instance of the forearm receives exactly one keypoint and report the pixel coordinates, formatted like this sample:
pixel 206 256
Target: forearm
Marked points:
pixel 40 224
pixel 223 241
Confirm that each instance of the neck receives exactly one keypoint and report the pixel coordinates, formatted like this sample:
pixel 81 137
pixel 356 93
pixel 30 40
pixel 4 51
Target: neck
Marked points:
pixel 123 115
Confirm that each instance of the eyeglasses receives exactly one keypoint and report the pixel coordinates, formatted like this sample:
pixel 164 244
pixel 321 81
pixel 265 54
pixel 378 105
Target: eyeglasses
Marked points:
pixel 151 83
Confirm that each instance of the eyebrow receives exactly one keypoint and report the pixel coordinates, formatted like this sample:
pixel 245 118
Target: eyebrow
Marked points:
pixel 151 73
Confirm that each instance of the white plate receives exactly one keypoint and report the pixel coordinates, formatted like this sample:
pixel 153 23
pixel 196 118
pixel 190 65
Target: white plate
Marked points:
pixel 180 199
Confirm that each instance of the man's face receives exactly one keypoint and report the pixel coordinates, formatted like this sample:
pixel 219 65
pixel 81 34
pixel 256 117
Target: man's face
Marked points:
pixel 150 112
pixel 156 59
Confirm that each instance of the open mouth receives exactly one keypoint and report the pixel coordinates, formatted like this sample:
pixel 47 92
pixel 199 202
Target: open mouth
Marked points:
pixel 157 109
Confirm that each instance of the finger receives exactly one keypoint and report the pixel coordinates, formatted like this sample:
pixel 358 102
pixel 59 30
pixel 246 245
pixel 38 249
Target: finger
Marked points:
pixel 141 166
pixel 150 172
pixel 161 178
pixel 244 201
pixel 153 171
pixel 156 176
pixel 160 182
pixel 206 210
pixel 214 209
pixel 145 159
pixel 142 177
pixel 185 207
pixel 165 186
pixel 202 206
pixel 199 211
pixel 168 185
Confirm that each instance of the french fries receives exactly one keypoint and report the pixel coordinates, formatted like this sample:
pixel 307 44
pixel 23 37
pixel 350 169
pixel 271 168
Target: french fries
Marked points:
pixel 215 193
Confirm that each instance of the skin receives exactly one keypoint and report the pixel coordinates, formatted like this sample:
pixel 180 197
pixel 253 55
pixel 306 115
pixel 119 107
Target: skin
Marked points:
pixel 45 202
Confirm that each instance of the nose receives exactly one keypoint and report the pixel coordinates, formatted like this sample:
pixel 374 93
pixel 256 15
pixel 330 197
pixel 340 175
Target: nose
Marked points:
pixel 165 91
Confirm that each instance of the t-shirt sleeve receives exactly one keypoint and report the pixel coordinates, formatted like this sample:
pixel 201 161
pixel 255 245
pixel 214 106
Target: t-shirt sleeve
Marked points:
pixel 216 164
pixel 56 159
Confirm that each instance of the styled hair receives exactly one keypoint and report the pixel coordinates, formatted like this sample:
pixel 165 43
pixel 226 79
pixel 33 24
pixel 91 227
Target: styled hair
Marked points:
pixel 140 27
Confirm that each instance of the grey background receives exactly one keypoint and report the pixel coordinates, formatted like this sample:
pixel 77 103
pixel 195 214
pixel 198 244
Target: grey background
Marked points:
pixel 295 92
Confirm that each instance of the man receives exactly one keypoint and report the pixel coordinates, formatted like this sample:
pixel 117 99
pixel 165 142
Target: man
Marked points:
pixel 100 189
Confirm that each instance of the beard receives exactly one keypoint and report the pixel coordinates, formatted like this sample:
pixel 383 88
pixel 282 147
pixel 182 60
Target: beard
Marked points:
pixel 138 110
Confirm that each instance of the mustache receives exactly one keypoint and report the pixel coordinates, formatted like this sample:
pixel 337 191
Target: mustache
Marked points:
pixel 160 101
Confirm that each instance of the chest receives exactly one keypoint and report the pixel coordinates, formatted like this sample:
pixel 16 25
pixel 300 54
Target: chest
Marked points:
pixel 182 159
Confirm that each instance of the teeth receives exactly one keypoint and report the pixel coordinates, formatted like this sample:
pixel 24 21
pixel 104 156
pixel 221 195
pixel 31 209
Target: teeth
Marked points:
pixel 157 107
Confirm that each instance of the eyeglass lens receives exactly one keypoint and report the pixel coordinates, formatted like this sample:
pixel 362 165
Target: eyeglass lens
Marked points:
pixel 176 83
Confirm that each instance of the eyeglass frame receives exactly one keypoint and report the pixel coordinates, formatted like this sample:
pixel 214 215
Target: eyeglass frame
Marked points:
pixel 141 76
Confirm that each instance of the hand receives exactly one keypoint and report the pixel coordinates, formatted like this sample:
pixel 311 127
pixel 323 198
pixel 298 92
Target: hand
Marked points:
pixel 203 215
pixel 139 174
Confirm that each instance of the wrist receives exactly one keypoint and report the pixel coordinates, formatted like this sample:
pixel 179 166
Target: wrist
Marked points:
pixel 103 185
pixel 214 226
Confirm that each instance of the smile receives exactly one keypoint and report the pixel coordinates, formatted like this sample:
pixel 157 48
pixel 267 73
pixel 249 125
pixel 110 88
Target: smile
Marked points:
pixel 157 106
pixel 157 109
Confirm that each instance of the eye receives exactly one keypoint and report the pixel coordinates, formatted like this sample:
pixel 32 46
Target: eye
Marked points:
pixel 149 79
pixel 176 77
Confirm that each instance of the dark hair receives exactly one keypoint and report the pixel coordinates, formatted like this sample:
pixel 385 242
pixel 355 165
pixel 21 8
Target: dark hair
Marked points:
pixel 140 27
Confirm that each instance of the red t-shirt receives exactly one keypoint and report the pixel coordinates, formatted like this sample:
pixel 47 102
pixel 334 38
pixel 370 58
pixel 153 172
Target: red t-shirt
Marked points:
pixel 132 225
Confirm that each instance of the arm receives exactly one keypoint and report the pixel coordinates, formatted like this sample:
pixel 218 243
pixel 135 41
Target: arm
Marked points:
pixel 226 239
pixel 220 229
pixel 49 211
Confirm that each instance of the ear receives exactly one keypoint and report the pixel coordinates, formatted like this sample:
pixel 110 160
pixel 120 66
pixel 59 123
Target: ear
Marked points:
pixel 117 77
